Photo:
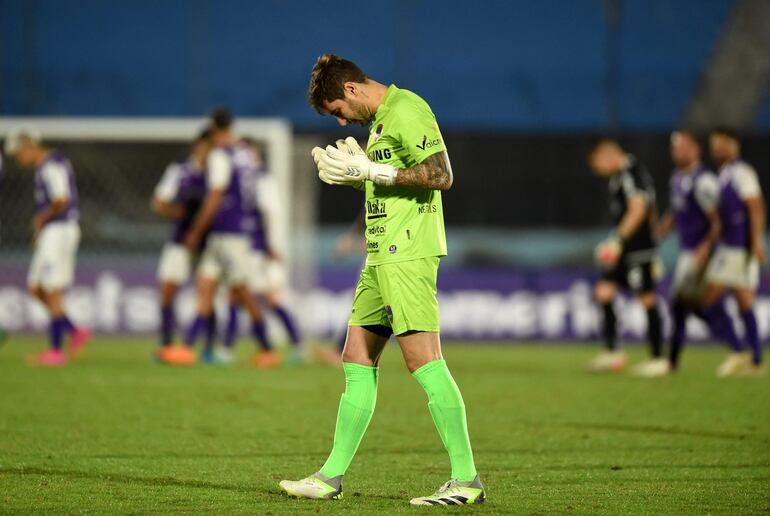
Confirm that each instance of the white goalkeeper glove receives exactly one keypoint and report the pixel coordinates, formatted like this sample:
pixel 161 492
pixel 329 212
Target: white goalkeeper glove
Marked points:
pixel 347 164
pixel 323 171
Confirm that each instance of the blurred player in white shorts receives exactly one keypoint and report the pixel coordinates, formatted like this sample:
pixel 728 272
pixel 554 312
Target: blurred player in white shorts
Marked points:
pixel 268 277
pixel 741 249
pixel 694 202
pixel 56 238
pixel 178 197
pixel 225 256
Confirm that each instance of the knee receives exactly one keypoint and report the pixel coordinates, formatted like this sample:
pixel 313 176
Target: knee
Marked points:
pixel 649 300
pixel 604 293
pixel 745 300
pixel 414 364
pixel 352 356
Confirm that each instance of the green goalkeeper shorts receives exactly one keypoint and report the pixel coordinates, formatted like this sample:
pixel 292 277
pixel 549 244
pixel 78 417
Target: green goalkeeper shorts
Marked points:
pixel 400 295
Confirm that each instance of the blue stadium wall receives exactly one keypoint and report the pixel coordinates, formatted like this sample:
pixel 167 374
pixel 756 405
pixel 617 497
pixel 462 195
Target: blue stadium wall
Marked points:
pixel 552 65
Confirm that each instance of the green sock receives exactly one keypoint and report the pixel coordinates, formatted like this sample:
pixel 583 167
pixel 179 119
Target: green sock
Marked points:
pixel 355 412
pixel 448 410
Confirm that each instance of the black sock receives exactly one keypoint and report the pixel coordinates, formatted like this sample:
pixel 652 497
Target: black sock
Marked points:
pixel 654 332
pixel 678 333
pixel 609 330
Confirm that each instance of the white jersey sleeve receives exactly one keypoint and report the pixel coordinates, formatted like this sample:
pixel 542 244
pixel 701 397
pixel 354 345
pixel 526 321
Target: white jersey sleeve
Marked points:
pixel 267 195
pixel 707 192
pixel 168 186
pixel 746 182
pixel 218 170
pixel 56 182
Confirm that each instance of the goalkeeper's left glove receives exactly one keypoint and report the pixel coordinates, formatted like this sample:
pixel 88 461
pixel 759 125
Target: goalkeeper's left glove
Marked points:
pixel 337 166
pixel 608 252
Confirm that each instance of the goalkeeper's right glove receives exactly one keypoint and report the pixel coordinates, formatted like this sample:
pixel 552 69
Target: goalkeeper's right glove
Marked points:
pixel 348 163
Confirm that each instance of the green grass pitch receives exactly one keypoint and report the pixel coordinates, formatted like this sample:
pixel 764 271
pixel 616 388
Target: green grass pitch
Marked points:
pixel 115 433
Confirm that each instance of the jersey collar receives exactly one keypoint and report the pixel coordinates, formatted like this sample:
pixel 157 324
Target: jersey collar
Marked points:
pixel 384 107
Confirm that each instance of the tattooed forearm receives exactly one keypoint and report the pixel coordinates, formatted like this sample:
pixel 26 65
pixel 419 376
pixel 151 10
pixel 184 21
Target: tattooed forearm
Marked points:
pixel 435 173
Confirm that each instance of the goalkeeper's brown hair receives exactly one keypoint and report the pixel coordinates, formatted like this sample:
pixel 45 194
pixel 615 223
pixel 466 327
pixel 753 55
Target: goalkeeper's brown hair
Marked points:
pixel 327 80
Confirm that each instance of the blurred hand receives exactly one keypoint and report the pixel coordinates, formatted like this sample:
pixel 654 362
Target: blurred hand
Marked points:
pixel 345 246
pixel 608 252
pixel 192 240
pixel 760 251
pixel 702 254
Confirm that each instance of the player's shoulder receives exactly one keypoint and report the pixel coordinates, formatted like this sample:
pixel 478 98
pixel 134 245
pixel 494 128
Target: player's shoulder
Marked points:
pixel 55 163
pixel 706 176
pixel 174 169
pixel 409 103
pixel 742 168
pixel 636 171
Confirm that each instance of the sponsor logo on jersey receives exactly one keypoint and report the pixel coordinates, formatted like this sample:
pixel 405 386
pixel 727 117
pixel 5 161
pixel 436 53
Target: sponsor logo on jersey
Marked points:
pixel 372 247
pixel 375 210
pixel 375 230
pixel 380 154
pixel 427 208
pixel 427 144
pixel 378 132
pixel 392 249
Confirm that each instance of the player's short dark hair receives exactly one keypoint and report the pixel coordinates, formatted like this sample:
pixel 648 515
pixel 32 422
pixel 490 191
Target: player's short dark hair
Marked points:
pixel 221 118
pixel 327 80
pixel 689 134
pixel 729 132
pixel 597 143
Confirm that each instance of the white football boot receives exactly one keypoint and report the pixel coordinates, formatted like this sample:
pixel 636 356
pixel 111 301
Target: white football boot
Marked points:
pixel 455 492
pixel 736 364
pixel 316 486
pixel 608 361
pixel 653 368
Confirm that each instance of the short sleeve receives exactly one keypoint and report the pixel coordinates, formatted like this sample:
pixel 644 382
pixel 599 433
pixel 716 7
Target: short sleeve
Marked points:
pixel 746 182
pixel 56 181
pixel 168 186
pixel 267 195
pixel 634 185
pixel 218 171
pixel 707 192
pixel 420 134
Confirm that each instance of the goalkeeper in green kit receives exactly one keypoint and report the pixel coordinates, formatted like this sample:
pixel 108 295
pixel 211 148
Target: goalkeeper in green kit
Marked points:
pixel 403 171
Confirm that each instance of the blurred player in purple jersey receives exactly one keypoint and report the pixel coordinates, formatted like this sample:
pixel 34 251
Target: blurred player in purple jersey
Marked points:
pixel 741 249
pixel 178 197
pixel 56 239
pixel 628 257
pixel 694 201
pixel 225 256
pixel 268 278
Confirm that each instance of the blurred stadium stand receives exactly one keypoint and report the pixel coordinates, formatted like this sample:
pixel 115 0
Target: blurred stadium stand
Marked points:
pixel 549 65
pixel 519 88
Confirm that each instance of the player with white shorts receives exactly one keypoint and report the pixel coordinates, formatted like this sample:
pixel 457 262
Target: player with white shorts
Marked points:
pixel 56 238
pixel 225 256
pixel 694 201
pixel 268 277
pixel 735 265
pixel 178 197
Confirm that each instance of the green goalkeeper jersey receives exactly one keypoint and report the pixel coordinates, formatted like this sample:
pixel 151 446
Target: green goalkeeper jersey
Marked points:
pixel 403 223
